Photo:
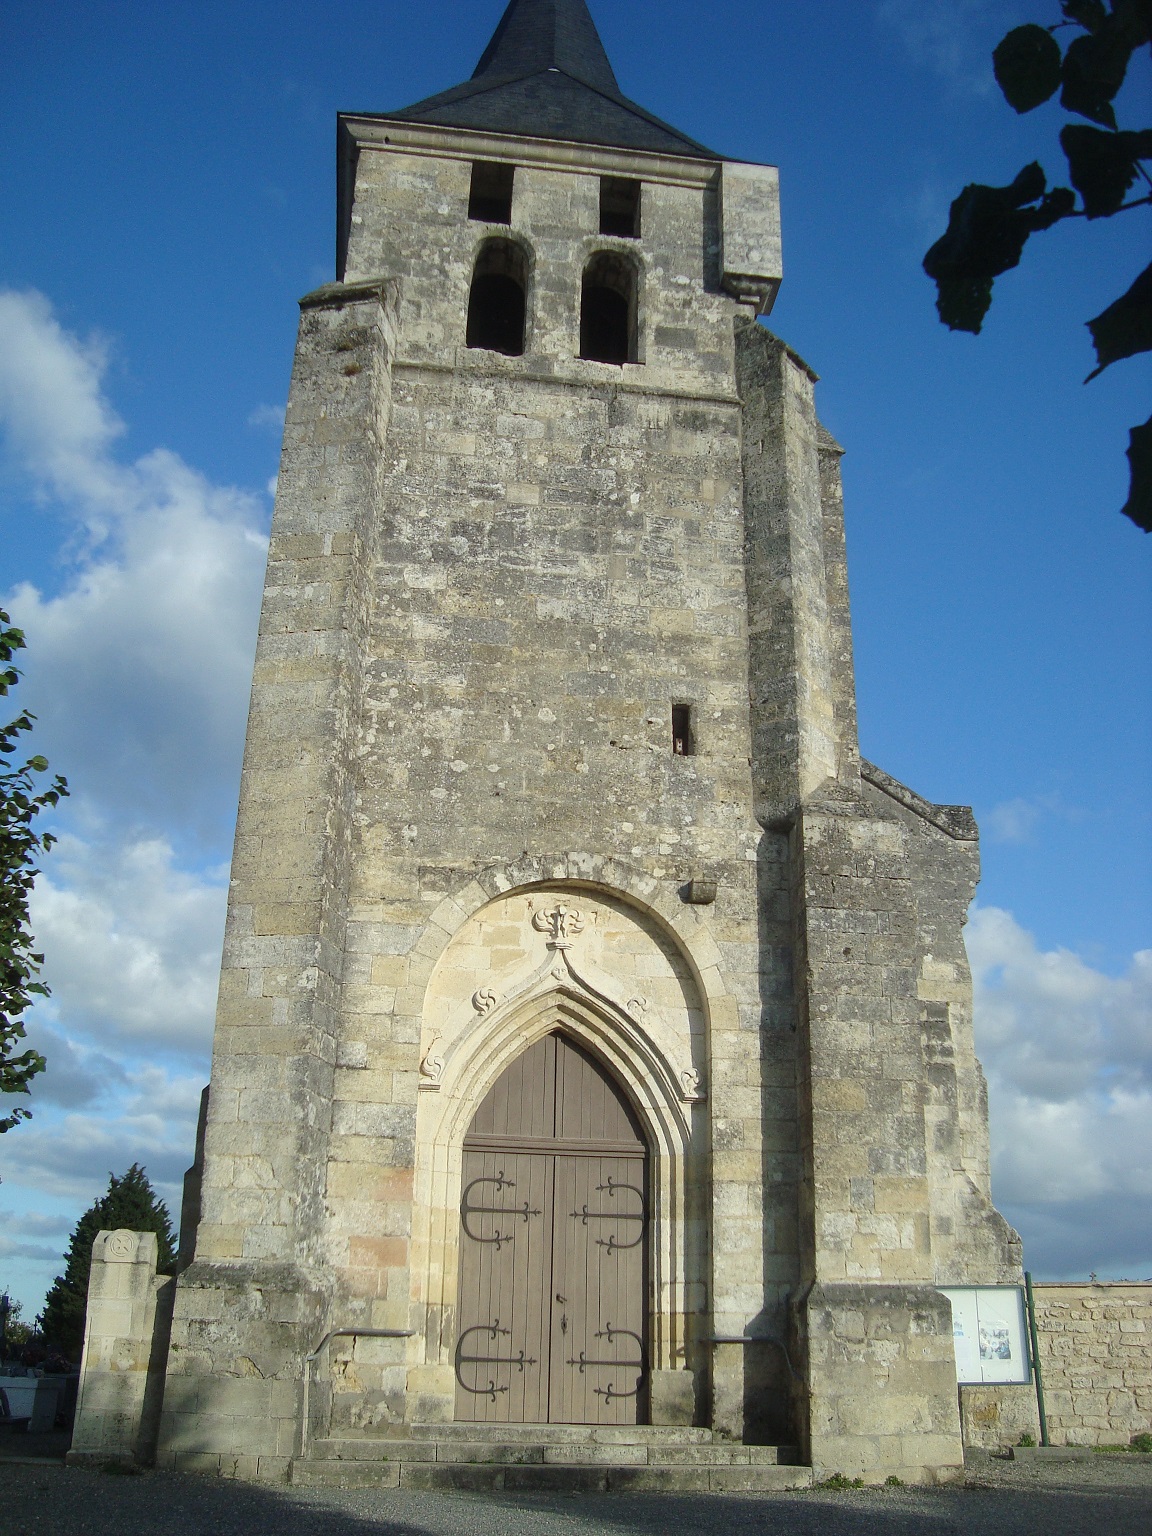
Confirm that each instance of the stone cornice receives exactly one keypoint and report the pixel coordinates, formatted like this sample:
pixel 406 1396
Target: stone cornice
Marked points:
pixel 368 132
pixel 955 820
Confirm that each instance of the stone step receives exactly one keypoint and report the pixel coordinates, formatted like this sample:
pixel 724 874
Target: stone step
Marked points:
pixel 565 1434
pixel 573 1453
pixel 548 1477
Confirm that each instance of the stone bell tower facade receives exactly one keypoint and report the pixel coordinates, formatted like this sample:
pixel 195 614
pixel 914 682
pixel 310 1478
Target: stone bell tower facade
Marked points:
pixel 594 1039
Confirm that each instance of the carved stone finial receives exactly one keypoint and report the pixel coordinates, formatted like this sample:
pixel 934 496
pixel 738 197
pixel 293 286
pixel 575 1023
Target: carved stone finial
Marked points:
pixel 431 1066
pixel 561 923
pixel 691 1090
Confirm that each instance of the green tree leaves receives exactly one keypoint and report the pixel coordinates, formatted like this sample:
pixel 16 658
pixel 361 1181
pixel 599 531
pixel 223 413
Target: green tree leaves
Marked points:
pixel 20 847
pixel 988 227
pixel 131 1203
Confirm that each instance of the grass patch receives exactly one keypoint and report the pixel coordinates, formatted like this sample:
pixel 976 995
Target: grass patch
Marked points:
pixel 1141 1445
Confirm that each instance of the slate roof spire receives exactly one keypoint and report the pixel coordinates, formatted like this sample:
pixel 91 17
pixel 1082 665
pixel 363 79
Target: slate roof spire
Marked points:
pixel 545 75
pixel 536 35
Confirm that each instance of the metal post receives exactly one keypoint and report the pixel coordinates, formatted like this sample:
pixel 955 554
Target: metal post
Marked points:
pixel 1037 1375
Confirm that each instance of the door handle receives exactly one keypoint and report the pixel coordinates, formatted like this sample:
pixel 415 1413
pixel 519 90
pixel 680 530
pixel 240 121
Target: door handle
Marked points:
pixel 563 1300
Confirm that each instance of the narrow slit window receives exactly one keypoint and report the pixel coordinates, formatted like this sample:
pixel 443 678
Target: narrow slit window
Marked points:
pixel 620 207
pixel 608 309
pixel 683 736
pixel 490 197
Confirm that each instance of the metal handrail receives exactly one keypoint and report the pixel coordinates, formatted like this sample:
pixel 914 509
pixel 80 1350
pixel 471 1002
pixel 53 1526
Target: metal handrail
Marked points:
pixel 758 1338
pixel 340 1333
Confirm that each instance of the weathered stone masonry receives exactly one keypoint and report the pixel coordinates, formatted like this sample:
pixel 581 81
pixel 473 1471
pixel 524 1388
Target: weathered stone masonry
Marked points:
pixel 1096 1356
pixel 492 578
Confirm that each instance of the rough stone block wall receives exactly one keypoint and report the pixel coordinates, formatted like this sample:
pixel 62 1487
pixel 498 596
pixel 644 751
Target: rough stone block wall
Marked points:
pixel 1096 1358
pixel 492 580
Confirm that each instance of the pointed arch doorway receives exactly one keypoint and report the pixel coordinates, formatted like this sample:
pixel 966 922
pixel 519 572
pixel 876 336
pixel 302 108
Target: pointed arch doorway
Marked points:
pixel 553 1247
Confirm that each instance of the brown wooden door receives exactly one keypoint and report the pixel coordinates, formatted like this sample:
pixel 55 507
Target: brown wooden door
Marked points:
pixel 553 1243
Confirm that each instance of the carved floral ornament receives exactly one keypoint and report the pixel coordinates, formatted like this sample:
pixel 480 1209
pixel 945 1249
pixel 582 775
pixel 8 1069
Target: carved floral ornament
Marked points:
pixel 561 924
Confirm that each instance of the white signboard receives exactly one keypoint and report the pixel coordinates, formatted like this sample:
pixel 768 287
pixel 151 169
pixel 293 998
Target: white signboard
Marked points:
pixel 989 1333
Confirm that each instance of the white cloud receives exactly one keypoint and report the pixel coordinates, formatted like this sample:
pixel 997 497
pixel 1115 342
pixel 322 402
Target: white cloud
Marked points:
pixel 76 1074
pixel 1018 820
pixel 133 943
pixel 269 416
pixel 953 37
pixel 1012 821
pixel 1068 1054
pixel 57 423
pixel 56 1164
pixel 139 668
pixel 72 1155
pixel 18 1248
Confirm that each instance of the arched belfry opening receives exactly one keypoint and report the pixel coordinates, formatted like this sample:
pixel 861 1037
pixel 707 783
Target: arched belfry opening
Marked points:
pixel 497 301
pixel 608 329
pixel 554 1221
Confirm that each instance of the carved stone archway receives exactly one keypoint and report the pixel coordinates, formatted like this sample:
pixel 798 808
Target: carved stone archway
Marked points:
pixel 534 960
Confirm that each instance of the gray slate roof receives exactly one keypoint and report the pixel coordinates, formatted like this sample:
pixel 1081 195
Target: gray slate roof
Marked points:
pixel 545 75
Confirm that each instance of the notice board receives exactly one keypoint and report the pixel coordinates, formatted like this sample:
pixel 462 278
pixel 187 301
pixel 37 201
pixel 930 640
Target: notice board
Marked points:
pixel 989 1333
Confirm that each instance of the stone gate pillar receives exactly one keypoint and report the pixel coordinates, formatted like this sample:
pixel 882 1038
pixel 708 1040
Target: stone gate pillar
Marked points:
pixel 125 1350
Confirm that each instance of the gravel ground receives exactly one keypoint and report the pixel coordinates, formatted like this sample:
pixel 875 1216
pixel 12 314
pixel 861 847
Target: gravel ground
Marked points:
pixel 1107 1496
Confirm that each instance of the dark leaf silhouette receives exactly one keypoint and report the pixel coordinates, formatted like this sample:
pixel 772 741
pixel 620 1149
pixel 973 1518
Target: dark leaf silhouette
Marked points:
pixel 1094 70
pixel 988 228
pixel 1125 327
pixel 1089 13
pixel 1027 65
pixel 1139 504
pixel 1102 166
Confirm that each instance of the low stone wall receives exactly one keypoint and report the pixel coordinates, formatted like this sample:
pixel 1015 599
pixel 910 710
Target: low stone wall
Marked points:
pixel 1096 1360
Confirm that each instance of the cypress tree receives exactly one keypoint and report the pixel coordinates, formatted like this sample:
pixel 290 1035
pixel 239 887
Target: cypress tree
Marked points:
pixel 130 1203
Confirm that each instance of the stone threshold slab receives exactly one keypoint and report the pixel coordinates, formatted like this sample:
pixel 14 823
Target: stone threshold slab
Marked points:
pixel 551 1478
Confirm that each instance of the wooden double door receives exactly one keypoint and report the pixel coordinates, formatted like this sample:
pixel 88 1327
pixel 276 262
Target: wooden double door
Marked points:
pixel 553 1248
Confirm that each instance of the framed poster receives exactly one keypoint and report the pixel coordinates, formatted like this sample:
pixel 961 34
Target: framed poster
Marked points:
pixel 989 1333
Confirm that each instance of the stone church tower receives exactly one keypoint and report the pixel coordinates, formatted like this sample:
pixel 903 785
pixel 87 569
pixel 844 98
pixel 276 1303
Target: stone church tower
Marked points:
pixel 594 1041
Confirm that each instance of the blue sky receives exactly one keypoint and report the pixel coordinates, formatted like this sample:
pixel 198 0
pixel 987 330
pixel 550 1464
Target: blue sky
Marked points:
pixel 168 178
